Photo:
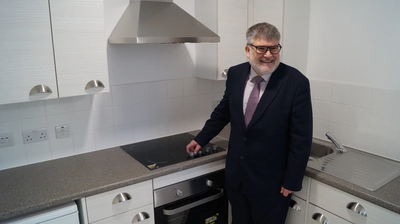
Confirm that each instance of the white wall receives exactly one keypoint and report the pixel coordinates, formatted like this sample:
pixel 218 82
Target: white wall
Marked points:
pixel 153 94
pixel 352 60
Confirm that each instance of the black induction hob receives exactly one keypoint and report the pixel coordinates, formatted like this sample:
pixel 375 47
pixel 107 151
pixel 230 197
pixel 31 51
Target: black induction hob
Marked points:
pixel 166 151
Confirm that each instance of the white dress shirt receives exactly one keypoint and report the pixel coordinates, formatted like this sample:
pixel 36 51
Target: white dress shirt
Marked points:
pixel 249 87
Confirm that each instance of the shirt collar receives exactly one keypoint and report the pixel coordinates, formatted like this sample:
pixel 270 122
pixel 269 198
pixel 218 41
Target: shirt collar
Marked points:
pixel 253 73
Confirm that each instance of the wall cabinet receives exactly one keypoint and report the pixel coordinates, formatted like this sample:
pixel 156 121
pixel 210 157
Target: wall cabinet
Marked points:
pixel 229 20
pixel 123 205
pixel 55 45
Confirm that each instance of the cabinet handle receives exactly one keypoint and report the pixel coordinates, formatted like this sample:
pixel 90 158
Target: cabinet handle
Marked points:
pixel 320 218
pixel 40 89
pixel 121 198
pixel 140 217
pixel 357 208
pixel 94 84
pixel 224 73
pixel 294 205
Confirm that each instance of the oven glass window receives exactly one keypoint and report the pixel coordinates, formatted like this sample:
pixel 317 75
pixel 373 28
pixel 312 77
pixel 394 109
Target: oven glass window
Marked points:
pixel 214 211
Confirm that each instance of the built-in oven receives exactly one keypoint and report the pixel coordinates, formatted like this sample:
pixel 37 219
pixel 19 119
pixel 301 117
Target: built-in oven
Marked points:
pixel 201 200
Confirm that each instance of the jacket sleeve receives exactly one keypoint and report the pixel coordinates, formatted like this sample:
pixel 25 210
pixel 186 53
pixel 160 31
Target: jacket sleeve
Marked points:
pixel 300 137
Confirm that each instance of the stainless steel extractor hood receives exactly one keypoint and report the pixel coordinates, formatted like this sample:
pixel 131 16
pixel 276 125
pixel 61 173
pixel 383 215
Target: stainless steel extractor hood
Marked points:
pixel 159 22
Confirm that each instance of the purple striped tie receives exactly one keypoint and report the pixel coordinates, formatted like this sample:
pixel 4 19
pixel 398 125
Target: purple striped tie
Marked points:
pixel 253 99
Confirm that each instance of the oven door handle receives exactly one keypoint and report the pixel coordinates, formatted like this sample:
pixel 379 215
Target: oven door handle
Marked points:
pixel 195 204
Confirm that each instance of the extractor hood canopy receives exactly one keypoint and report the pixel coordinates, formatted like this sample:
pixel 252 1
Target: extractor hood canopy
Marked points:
pixel 146 21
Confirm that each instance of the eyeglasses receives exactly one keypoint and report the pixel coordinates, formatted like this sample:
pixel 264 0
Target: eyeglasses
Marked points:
pixel 264 49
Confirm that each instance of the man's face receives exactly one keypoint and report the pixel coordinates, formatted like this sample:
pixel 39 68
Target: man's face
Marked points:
pixel 263 63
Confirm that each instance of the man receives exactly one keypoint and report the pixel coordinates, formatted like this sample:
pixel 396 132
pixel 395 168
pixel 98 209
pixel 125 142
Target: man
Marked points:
pixel 267 157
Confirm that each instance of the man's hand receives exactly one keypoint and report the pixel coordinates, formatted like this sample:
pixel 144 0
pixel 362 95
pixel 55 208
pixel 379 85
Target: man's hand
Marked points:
pixel 285 192
pixel 193 146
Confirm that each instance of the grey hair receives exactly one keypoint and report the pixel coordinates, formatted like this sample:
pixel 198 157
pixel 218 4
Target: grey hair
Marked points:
pixel 262 30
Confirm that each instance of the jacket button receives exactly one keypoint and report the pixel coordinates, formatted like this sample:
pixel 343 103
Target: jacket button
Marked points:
pixel 242 157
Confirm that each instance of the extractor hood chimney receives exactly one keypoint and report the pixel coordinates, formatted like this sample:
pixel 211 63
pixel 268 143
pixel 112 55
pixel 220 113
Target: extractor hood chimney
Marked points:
pixel 146 21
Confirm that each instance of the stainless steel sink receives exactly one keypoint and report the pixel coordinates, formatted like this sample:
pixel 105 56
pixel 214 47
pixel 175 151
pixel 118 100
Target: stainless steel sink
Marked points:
pixel 319 149
pixel 360 168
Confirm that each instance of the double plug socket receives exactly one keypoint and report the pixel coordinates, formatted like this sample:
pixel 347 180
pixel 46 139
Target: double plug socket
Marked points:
pixel 34 135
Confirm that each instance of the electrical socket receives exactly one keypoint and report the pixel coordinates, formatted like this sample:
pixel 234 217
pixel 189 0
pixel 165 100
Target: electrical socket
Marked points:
pixel 6 139
pixel 62 131
pixel 34 135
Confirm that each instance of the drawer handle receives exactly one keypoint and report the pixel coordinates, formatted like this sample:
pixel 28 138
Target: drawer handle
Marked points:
pixel 39 89
pixel 320 218
pixel 94 84
pixel 357 208
pixel 121 198
pixel 140 217
pixel 294 205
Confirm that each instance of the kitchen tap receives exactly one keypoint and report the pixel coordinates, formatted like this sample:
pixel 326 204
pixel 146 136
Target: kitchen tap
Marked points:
pixel 339 147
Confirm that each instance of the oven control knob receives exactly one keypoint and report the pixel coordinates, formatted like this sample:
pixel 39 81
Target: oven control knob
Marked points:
pixel 191 154
pixel 200 152
pixel 179 193
pixel 207 151
pixel 215 148
pixel 209 183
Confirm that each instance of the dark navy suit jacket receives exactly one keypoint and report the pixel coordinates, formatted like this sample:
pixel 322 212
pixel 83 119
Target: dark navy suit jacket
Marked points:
pixel 273 150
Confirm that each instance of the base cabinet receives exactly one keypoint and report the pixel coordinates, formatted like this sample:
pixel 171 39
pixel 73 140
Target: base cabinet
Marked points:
pixel 349 207
pixel 297 211
pixel 123 205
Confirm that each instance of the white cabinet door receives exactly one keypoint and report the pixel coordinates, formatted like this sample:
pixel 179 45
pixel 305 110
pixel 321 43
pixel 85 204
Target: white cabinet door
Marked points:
pixel 146 212
pixel 297 211
pixel 79 45
pixel 348 206
pixel 26 57
pixel 119 201
pixel 317 215
pixel 229 20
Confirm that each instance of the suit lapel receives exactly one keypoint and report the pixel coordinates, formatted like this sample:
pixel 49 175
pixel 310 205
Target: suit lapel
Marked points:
pixel 269 94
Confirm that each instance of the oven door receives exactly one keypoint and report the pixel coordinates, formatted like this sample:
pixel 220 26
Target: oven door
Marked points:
pixel 210 207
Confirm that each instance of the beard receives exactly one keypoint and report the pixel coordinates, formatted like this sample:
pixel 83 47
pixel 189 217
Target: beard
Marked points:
pixel 263 66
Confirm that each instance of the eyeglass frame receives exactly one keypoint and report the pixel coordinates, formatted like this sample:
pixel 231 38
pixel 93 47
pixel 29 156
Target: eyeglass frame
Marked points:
pixel 268 48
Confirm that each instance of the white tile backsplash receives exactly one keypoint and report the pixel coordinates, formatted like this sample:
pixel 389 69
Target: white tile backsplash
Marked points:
pixel 9 112
pixel 190 87
pixel 338 113
pixel 61 147
pixel 360 96
pixel 80 103
pixel 104 138
pixel 32 109
pixel 121 95
pixel 361 117
pixel 125 134
pixel 382 100
pixel 340 93
pixel 57 106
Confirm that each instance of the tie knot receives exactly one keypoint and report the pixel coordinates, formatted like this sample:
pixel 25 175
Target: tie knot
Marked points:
pixel 257 79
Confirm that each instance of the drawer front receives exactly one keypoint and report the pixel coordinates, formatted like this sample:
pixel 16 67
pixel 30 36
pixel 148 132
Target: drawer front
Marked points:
pixel 304 191
pixel 128 217
pixel 317 215
pixel 348 206
pixel 297 211
pixel 117 201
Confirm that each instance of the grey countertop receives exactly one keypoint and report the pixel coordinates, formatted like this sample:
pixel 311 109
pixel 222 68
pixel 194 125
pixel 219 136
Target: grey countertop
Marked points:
pixel 38 186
